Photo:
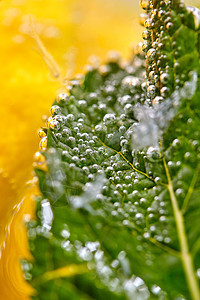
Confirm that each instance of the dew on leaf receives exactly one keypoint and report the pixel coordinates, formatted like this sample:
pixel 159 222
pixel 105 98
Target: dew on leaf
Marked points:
pixel 43 143
pixel 198 273
pixel 155 289
pixel 85 254
pixel 70 118
pixel 42 133
pixel 144 4
pixel 53 124
pixel 39 158
pixel 110 136
pixel 65 233
pixel 62 98
pixel 55 110
pixel 131 81
pixel 46 214
pixel 196 15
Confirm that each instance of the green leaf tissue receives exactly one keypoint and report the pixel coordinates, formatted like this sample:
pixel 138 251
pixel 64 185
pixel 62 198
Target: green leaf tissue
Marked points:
pixel 119 211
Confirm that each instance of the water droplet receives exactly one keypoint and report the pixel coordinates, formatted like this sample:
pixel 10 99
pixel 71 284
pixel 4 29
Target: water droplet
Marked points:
pixel 164 78
pixel 139 216
pixel 109 120
pixel 157 100
pixel 196 15
pixel 54 125
pixel 180 193
pixel 43 143
pixel 151 91
pixel 92 246
pixel 144 4
pixel 122 129
pixel 146 34
pixel 167 240
pixel 155 289
pixel 169 26
pixel 162 219
pixel 113 56
pixel 85 253
pixel 104 70
pixel 65 233
pixel 47 214
pixel 82 103
pixel 49 120
pixel 153 153
pixel 62 98
pixel 39 158
pixel 143 17
pixel 55 110
pixel 153 228
pixel 42 133
pixel 148 24
pixel 70 118
pixel 146 235
pixel 198 273
pixel 151 53
pixel 164 91
pixel 187 155
pixel 115 263
pixel 131 81
pixel 145 46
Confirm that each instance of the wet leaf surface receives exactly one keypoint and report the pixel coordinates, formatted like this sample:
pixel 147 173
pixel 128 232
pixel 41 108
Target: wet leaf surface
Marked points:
pixel 118 216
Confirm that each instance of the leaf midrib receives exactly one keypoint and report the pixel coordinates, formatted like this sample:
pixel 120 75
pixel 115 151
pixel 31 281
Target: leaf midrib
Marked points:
pixel 186 256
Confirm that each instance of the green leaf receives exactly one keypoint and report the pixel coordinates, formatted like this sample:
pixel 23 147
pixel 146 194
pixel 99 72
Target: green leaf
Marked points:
pixel 118 216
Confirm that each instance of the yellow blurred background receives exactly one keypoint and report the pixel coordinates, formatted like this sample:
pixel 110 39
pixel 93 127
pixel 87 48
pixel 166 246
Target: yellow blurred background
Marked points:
pixel 72 31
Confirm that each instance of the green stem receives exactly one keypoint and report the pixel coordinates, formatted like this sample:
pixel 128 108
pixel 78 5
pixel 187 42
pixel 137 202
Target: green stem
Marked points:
pixel 186 257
